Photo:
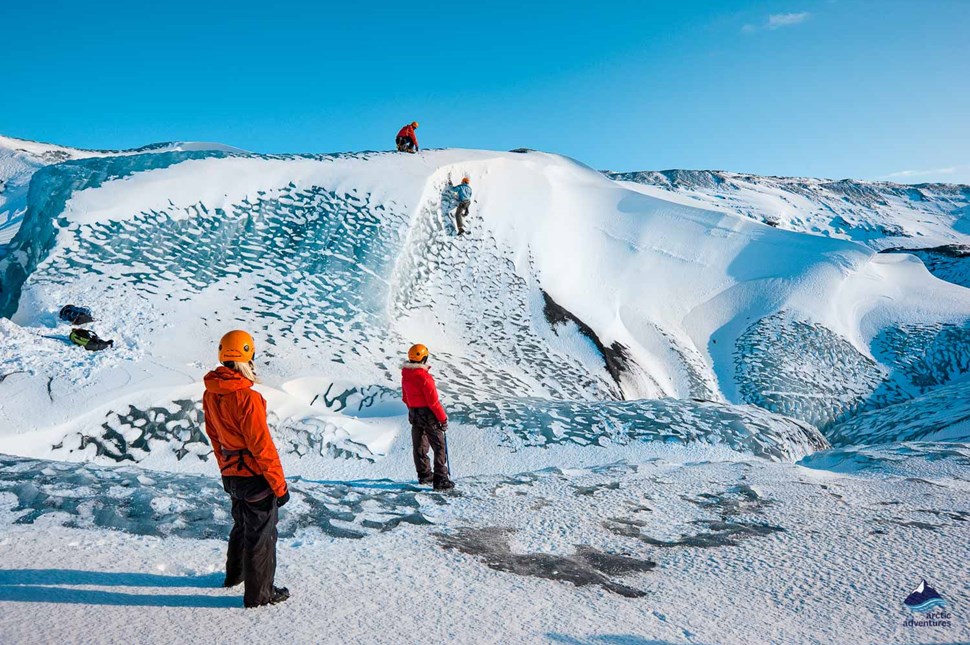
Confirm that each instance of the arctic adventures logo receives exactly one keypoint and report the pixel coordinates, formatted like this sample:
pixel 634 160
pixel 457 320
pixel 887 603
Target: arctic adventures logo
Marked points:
pixel 922 601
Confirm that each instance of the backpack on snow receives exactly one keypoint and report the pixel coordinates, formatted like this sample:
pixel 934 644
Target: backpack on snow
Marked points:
pixel 76 315
pixel 89 340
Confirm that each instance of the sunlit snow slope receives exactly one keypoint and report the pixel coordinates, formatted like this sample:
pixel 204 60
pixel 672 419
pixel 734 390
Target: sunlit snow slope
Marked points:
pixel 931 221
pixel 579 312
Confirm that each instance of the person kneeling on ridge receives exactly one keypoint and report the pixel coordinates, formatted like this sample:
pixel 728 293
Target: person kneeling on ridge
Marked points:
pixel 235 420
pixel 463 192
pixel 428 419
pixel 406 140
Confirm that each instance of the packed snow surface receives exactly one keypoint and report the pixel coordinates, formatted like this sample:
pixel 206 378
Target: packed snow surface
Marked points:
pixel 702 552
pixel 683 333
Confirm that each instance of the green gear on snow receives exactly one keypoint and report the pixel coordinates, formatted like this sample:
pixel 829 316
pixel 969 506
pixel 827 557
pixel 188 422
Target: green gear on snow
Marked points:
pixel 89 340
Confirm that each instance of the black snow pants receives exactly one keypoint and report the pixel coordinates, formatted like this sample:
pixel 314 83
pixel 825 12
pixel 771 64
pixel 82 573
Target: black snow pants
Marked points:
pixel 405 145
pixel 461 213
pixel 426 431
pixel 251 557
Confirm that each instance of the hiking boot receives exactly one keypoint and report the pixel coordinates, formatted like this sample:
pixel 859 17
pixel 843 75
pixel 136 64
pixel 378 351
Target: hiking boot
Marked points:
pixel 279 595
pixel 447 484
pixel 425 481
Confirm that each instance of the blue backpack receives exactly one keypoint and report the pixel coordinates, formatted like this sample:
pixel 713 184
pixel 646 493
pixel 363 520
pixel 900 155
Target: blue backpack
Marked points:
pixel 76 315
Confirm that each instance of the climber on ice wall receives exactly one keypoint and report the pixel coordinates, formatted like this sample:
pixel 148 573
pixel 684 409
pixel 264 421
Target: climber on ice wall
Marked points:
pixel 428 419
pixel 463 192
pixel 235 420
pixel 406 140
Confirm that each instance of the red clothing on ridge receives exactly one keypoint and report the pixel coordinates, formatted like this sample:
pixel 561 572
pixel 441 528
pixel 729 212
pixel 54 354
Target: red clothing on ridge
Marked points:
pixel 235 419
pixel 408 133
pixel 419 390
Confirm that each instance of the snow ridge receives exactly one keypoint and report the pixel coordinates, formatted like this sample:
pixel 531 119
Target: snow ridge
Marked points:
pixel 931 220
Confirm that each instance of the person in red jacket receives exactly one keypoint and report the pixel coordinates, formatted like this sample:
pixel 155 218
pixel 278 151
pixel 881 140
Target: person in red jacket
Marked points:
pixel 406 140
pixel 428 419
pixel 235 420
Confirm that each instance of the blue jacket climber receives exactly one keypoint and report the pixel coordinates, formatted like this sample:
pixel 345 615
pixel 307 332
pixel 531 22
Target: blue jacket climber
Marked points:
pixel 463 191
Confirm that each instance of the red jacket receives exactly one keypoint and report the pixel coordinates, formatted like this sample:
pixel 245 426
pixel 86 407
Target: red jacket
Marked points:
pixel 235 419
pixel 419 389
pixel 408 133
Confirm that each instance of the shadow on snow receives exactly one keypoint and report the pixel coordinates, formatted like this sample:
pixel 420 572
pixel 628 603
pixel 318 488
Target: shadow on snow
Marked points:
pixel 46 585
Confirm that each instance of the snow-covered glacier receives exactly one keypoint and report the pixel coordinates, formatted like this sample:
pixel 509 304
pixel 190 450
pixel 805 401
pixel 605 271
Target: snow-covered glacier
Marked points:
pixel 931 221
pixel 20 159
pixel 628 367
pixel 579 311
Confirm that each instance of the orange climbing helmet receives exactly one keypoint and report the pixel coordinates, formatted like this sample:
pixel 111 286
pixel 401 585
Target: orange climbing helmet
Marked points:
pixel 414 124
pixel 466 180
pixel 237 346
pixel 417 353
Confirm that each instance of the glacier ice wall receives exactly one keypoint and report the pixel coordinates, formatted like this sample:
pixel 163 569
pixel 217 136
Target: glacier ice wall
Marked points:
pixel 337 262
pixel 50 188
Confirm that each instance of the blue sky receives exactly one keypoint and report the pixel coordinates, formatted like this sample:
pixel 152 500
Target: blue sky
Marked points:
pixel 836 89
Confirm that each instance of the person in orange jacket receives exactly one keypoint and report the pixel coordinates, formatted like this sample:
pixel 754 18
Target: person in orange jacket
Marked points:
pixel 428 419
pixel 235 420
pixel 407 140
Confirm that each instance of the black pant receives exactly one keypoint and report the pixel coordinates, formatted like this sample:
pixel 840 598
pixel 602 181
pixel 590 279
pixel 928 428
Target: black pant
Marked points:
pixel 405 145
pixel 426 432
pixel 251 557
pixel 461 213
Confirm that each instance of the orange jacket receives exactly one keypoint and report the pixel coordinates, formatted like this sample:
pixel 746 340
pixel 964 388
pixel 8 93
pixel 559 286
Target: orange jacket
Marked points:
pixel 235 420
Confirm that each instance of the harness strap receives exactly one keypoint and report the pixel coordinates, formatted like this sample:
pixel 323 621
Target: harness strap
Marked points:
pixel 241 463
pixel 260 496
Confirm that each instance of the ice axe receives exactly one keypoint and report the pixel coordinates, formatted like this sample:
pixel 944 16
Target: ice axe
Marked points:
pixel 451 471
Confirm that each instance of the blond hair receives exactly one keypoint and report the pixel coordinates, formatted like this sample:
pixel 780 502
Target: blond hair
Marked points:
pixel 247 370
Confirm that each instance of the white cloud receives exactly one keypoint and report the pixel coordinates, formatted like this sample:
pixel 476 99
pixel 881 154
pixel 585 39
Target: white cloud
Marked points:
pixel 951 174
pixel 779 20
pixel 921 173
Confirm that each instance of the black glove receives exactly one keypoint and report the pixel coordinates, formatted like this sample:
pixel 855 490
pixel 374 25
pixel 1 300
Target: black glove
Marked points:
pixel 281 501
pixel 444 425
